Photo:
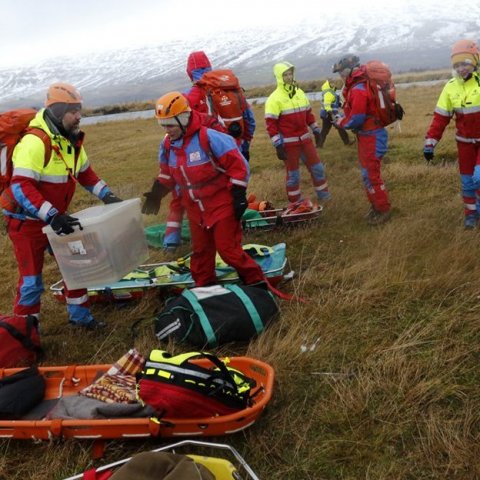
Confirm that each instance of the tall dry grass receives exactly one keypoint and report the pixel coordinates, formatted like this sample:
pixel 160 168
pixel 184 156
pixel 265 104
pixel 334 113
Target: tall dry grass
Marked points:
pixel 377 376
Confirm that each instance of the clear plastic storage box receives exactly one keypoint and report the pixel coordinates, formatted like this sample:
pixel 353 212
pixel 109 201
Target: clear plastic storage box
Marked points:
pixel 111 244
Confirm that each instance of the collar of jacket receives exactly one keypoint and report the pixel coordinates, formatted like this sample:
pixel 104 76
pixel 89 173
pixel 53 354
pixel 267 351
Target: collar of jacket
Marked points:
pixel 358 75
pixel 43 121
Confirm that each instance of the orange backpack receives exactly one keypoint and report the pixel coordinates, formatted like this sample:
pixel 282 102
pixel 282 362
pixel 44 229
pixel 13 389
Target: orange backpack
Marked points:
pixel 382 91
pixel 13 126
pixel 226 99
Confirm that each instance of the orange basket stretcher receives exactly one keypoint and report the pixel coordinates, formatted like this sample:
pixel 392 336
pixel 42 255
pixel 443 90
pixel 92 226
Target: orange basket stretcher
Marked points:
pixel 69 380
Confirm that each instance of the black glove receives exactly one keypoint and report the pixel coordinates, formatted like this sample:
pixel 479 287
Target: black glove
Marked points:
pixel 240 203
pixel 62 224
pixel 428 153
pixel 281 153
pixel 318 139
pixel 153 198
pixel 110 198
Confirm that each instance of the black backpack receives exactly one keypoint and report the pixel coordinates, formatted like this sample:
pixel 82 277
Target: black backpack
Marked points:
pixel 210 316
pixel 20 392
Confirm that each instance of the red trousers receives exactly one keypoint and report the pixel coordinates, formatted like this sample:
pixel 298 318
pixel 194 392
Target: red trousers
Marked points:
pixel 307 152
pixel 29 245
pixel 371 149
pixel 225 236
pixel 469 167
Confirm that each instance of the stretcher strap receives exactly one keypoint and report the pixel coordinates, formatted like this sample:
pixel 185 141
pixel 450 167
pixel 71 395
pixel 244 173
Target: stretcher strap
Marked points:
pixel 284 296
pixel 207 328
pixel 252 311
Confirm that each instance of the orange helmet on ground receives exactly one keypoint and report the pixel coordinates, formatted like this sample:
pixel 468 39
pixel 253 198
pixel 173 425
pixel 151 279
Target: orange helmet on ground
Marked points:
pixel 62 93
pixel 465 51
pixel 172 108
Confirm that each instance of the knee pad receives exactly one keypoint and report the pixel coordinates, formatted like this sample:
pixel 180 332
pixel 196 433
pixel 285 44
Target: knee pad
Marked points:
pixel 293 178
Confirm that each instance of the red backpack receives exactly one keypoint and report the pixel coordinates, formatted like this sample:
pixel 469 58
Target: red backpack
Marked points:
pixel 13 126
pixel 226 99
pixel 382 90
pixel 19 340
pixel 178 388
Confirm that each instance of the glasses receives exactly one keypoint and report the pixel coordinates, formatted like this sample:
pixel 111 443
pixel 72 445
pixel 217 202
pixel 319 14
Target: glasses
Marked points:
pixel 462 65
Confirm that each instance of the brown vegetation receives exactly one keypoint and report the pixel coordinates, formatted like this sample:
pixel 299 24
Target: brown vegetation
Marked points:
pixel 388 385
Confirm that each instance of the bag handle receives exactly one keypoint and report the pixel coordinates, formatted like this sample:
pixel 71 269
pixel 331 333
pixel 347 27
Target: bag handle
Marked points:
pixel 25 340
pixel 227 376
pixel 204 321
pixel 252 311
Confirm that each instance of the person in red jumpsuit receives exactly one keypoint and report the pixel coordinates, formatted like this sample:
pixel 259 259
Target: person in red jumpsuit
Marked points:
pixel 372 137
pixel 212 176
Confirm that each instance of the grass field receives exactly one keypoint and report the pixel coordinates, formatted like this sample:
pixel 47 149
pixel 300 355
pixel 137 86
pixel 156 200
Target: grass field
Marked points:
pixel 388 384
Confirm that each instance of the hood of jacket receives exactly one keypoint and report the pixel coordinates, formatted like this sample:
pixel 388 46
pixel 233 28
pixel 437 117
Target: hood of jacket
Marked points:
pixel 358 75
pixel 278 70
pixel 197 64
pixel 327 86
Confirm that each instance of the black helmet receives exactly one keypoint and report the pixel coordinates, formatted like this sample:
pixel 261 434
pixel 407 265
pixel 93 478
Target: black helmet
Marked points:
pixel 350 61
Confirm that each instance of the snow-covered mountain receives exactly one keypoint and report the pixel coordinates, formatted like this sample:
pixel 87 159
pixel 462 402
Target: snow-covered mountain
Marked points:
pixel 407 41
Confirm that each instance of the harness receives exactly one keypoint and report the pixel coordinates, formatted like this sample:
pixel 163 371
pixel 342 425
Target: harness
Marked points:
pixel 205 146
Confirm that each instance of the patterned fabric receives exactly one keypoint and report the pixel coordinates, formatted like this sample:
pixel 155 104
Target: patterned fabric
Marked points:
pixel 118 384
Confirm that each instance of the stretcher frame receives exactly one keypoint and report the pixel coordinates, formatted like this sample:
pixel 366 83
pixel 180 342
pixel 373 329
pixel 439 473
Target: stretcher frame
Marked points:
pixel 134 289
pixel 278 219
pixel 233 453
pixel 69 380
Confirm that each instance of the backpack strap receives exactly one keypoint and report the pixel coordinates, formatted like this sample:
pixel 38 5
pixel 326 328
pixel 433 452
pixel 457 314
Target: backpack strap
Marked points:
pixel 252 311
pixel 45 138
pixel 204 321
pixel 204 143
pixel 25 340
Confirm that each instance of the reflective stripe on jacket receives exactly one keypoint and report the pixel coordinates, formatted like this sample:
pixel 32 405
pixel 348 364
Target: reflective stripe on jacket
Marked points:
pixel 461 99
pixel 42 190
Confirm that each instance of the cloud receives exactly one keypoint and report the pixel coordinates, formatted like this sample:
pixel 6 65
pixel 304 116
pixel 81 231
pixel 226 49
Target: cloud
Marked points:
pixel 32 30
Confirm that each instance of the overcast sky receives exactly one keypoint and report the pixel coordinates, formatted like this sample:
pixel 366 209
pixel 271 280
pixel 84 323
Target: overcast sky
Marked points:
pixel 35 29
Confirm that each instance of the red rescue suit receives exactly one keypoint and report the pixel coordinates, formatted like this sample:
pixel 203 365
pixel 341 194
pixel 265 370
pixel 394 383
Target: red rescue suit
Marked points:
pixel 205 179
pixel 372 140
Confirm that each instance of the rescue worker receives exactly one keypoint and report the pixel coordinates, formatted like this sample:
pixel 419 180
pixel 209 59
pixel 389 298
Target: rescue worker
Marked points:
pixel 288 116
pixel 197 64
pixel 329 110
pixel 173 231
pixel 372 139
pixel 461 97
pixel 212 177
pixel 42 191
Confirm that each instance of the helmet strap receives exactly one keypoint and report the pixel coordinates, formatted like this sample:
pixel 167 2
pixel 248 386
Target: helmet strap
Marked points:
pixel 184 130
